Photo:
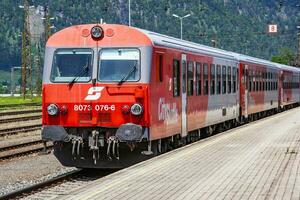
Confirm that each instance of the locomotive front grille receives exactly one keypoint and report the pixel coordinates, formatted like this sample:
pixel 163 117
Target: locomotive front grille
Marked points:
pixel 104 117
pixel 85 118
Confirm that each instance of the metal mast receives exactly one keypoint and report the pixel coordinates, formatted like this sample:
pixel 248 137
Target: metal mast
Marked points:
pixel 26 51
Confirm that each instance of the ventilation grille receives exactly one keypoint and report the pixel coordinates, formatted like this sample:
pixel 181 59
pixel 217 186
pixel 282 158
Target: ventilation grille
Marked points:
pixel 104 117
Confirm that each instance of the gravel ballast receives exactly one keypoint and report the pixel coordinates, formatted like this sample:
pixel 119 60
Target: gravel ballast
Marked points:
pixel 25 171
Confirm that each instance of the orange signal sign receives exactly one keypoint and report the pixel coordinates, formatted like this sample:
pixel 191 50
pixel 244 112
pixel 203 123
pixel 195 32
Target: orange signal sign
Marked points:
pixel 272 28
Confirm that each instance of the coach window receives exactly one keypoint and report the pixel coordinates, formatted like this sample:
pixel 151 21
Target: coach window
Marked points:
pixel 276 82
pixel 234 80
pixel 253 80
pixel 229 79
pixel 269 81
pixel 176 78
pixel 159 68
pixel 224 79
pixel 72 65
pixel 205 84
pixel 272 80
pixel 198 78
pixel 257 80
pixel 250 80
pixel 218 79
pixel 190 86
pixel 262 81
pixel 212 79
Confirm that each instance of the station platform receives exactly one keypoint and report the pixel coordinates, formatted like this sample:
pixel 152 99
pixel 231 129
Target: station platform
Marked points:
pixel 260 160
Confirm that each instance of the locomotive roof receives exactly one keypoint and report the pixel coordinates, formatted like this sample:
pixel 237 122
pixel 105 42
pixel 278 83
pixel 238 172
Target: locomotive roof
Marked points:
pixel 73 36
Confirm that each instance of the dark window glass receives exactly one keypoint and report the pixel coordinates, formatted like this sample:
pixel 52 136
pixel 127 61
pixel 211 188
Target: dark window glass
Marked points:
pixel 176 78
pixel 224 79
pixel 250 80
pixel 119 64
pixel 218 79
pixel 212 79
pixel 190 86
pixel 72 64
pixel 260 81
pixel 159 70
pixel 198 78
pixel 184 76
pixel 205 78
pixel 234 76
pixel 229 80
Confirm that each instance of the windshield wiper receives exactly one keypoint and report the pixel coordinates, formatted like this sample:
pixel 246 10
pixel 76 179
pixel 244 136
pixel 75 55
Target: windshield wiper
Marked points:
pixel 82 72
pixel 133 68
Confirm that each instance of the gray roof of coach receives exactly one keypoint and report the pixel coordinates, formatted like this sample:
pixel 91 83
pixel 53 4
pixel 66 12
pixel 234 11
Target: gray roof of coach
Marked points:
pixel 246 58
pixel 287 67
pixel 168 41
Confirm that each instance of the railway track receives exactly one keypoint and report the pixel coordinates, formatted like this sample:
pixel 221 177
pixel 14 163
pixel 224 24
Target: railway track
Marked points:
pixel 20 129
pixel 20 112
pixel 16 106
pixel 42 185
pixel 23 148
pixel 20 119
pixel 55 187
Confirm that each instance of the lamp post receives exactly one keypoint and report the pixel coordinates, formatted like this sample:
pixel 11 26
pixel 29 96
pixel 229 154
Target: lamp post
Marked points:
pixel 129 13
pixel 181 18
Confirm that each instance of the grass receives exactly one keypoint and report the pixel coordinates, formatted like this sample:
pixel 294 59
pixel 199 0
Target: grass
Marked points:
pixel 18 100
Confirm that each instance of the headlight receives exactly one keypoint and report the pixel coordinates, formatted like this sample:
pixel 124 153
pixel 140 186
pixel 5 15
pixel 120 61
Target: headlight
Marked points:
pixel 52 109
pixel 97 32
pixel 136 109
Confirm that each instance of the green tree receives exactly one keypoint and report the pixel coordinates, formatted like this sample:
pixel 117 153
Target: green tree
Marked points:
pixel 286 57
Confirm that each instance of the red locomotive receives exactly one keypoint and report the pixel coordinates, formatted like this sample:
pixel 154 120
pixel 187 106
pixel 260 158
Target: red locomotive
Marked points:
pixel 114 95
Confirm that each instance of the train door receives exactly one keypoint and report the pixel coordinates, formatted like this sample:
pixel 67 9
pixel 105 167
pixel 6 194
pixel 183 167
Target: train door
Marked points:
pixel 280 89
pixel 183 96
pixel 246 96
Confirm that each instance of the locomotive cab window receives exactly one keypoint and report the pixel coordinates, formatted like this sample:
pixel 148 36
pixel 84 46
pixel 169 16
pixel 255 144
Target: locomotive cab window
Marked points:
pixel 119 65
pixel 72 65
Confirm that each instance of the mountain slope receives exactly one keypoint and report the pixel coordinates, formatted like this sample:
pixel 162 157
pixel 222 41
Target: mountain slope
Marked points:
pixel 236 25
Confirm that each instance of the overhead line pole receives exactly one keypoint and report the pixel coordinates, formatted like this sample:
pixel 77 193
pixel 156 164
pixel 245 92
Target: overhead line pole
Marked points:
pixel 26 50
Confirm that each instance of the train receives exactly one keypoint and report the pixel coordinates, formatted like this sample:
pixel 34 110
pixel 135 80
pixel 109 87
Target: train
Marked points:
pixel 114 95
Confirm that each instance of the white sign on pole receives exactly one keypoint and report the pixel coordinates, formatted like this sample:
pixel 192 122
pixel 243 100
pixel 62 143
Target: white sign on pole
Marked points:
pixel 272 28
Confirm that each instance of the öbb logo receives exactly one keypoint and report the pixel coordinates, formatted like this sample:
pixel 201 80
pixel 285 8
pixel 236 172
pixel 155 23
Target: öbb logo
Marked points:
pixel 94 93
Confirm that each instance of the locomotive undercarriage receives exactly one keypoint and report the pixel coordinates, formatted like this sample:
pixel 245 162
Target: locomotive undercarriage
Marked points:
pixel 98 147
